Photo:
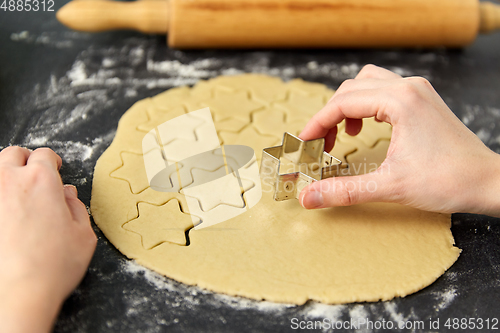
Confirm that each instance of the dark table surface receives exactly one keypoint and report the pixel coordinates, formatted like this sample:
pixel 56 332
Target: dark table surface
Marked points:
pixel 67 90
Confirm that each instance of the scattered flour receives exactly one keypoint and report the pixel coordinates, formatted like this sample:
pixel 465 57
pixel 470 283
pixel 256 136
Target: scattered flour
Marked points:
pixel 51 39
pixel 392 310
pixel 320 310
pixel 188 293
pixel 155 279
pixel 482 121
pixel 445 298
pixel 194 298
pixel 99 77
pixel 347 71
pixel 195 69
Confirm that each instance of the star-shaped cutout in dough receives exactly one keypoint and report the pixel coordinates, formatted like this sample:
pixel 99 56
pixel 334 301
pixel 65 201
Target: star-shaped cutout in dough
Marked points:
pixel 300 106
pixel 269 121
pixel 160 224
pixel 250 137
pixel 262 88
pixel 272 120
pixel 156 117
pixel 227 192
pixel 132 171
pixel 171 99
pixel 371 132
pixel 342 149
pixel 365 159
pixel 309 87
pixel 232 105
pixel 230 125
pixel 180 128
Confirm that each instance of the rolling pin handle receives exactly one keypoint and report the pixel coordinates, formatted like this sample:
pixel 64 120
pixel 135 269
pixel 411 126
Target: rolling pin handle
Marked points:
pixel 490 17
pixel 147 16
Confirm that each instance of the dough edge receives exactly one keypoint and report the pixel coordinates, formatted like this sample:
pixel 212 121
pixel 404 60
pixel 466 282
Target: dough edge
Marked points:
pixel 111 205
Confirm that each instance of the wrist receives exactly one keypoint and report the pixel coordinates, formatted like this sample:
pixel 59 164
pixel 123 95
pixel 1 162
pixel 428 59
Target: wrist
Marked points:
pixel 27 307
pixel 486 192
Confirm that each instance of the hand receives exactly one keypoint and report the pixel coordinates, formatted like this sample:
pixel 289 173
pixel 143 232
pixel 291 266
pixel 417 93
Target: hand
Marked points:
pixel 433 163
pixel 46 241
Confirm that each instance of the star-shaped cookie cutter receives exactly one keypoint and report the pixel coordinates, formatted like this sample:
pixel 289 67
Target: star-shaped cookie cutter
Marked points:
pixel 309 157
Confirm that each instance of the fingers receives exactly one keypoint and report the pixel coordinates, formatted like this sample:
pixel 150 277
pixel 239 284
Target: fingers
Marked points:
pixel 375 72
pixel 363 84
pixel 355 104
pixel 330 138
pixel 346 191
pixel 353 126
pixel 76 207
pixel 19 156
pixel 86 236
pixel 46 156
pixel 369 77
pixel 15 156
pixel 344 104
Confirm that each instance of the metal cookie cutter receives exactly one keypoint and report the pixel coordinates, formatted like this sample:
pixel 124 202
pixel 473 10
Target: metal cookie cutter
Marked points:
pixel 296 164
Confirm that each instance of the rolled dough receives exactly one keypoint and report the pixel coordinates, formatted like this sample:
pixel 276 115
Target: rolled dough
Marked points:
pixel 276 251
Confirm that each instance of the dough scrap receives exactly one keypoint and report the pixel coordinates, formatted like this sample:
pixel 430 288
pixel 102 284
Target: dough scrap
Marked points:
pixel 276 251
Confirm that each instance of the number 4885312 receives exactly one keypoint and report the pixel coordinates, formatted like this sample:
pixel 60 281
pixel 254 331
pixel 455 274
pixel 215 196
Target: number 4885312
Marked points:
pixel 27 5
pixel 472 324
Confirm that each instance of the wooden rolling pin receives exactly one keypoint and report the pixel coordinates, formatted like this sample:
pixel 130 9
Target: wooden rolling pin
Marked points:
pixel 291 23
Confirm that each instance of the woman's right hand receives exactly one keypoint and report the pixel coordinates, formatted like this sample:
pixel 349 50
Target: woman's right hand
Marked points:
pixel 434 161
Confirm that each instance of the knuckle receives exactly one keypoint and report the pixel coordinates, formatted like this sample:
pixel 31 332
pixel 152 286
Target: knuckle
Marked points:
pixel 339 101
pixel 40 168
pixel 92 237
pixel 46 152
pixel 87 233
pixel 42 173
pixel 409 92
pixel 345 196
pixel 368 71
pixel 345 85
pixel 419 82
pixel 409 88
pixel 14 150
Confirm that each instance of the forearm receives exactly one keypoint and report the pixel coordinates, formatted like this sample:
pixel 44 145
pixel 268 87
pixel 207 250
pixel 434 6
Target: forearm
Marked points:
pixel 27 309
pixel 46 241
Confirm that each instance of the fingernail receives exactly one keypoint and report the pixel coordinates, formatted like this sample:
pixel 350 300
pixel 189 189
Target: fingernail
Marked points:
pixel 71 190
pixel 312 199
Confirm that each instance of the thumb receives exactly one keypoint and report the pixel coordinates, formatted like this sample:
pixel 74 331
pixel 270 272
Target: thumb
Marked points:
pixel 76 207
pixel 346 191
